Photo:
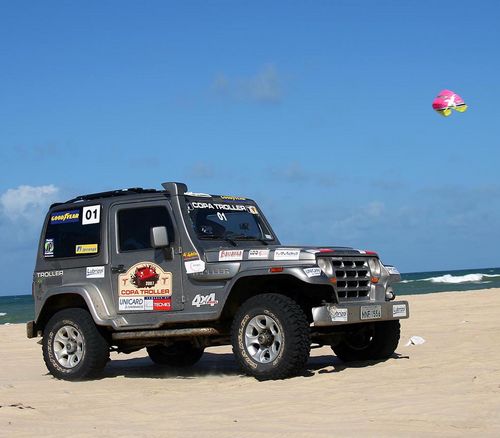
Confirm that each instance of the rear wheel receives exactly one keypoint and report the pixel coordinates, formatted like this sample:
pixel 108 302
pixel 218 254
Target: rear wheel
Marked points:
pixel 73 348
pixel 179 354
pixel 270 337
pixel 369 342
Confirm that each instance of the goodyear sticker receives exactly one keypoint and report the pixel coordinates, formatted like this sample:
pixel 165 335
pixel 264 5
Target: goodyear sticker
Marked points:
pixel 86 249
pixel 65 217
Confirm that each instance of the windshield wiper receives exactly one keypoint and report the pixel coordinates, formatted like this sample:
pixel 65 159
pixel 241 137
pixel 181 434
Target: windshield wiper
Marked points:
pixel 218 237
pixel 243 237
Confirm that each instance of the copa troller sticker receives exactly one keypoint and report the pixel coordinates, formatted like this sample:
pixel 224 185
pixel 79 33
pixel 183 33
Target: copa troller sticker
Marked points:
pixel 145 286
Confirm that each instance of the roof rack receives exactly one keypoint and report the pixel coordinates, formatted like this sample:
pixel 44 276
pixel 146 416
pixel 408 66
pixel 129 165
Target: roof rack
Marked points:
pixel 111 193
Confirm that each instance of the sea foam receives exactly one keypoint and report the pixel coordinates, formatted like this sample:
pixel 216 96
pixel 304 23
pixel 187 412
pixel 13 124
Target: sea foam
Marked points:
pixel 452 279
pixel 2 314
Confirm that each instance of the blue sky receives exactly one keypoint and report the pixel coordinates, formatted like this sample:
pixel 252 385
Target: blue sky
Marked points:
pixel 321 111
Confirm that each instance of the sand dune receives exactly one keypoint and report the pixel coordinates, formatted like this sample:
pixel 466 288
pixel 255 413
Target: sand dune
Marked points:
pixel 448 386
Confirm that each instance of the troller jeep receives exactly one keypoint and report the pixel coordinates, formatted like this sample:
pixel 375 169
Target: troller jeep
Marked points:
pixel 176 272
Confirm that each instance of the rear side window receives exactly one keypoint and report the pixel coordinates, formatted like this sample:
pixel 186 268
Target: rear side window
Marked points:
pixel 73 232
pixel 134 227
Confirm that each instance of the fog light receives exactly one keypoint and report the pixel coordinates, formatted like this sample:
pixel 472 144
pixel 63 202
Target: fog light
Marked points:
pixel 389 294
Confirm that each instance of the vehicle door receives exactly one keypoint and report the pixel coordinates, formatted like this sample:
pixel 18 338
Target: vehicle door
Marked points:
pixel 145 279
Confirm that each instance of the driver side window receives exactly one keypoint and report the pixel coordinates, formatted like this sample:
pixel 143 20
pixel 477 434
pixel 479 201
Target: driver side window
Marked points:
pixel 134 227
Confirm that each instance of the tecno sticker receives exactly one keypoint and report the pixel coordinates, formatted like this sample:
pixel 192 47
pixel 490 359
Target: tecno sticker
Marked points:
pixel 258 254
pixel 287 254
pixel 149 281
pixel 339 314
pixel 194 266
pixel 398 310
pixel 162 304
pixel 91 214
pixel 94 272
pixel 312 272
pixel 230 254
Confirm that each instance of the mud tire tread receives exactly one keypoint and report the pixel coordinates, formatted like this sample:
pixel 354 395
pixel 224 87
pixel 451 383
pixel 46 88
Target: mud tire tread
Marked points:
pixel 96 353
pixel 296 330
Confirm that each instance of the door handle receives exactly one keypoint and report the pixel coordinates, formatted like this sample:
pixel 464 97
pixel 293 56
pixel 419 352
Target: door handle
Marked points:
pixel 120 269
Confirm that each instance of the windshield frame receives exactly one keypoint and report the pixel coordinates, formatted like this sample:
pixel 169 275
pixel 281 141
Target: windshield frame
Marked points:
pixel 231 205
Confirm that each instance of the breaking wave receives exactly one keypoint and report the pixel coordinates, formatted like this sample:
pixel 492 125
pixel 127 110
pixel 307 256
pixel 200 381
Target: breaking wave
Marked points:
pixel 457 279
pixel 3 314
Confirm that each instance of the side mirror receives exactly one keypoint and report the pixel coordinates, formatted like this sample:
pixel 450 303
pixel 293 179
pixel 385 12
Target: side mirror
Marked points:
pixel 159 237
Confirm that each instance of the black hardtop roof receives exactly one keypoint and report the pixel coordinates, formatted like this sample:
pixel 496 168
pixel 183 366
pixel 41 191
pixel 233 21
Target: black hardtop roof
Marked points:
pixel 109 194
pixel 175 188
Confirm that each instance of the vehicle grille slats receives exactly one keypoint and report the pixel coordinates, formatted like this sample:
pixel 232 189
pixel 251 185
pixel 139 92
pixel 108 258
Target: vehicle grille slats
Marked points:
pixel 353 278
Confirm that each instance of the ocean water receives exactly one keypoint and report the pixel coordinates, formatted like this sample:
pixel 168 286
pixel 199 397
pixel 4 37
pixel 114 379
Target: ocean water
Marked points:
pixel 448 281
pixel 20 308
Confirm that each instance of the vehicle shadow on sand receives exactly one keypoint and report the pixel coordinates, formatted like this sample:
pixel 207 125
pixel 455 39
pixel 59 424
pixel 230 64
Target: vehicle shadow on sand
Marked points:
pixel 223 364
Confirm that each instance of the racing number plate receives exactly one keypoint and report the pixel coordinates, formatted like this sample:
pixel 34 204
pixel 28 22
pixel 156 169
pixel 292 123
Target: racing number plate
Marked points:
pixel 371 312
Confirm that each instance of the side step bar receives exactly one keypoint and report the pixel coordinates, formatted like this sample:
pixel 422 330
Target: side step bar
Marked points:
pixel 173 333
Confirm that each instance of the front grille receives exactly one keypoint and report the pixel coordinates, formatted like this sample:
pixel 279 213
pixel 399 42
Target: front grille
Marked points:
pixel 353 277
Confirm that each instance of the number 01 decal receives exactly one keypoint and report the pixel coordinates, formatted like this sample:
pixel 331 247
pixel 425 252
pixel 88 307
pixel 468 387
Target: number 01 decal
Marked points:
pixel 91 215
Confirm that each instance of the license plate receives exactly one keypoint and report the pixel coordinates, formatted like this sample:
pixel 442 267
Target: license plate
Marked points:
pixel 371 312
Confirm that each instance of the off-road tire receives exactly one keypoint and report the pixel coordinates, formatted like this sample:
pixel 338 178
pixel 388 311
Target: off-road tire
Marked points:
pixel 371 342
pixel 290 325
pixel 93 349
pixel 178 355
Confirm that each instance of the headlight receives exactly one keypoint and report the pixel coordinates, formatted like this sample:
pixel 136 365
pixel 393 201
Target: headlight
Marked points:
pixel 374 265
pixel 326 266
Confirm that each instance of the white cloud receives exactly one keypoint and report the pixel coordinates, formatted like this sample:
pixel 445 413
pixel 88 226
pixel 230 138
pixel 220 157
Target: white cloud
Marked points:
pixel 264 86
pixel 27 202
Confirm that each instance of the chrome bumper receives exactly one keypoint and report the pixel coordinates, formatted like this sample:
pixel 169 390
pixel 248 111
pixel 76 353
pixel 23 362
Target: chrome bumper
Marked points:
pixel 352 313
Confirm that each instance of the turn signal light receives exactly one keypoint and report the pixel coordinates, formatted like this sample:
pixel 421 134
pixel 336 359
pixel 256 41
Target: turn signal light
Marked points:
pixel 276 269
pixel 333 280
pixel 374 279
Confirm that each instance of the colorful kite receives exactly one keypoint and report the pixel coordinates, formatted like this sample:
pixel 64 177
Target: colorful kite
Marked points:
pixel 446 100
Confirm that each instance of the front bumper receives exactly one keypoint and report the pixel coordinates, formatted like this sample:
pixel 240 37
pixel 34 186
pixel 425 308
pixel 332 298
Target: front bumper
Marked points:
pixel 353 313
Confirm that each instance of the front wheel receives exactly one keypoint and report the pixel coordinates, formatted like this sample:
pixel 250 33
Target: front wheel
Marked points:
pixel 369 342
pixel 270 337
pixel 73 348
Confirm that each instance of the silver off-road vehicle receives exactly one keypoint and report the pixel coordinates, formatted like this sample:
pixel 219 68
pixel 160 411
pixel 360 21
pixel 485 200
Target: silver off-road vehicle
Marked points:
pixel 175 272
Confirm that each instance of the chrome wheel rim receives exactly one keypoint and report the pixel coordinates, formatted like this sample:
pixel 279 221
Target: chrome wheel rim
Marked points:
pixel 263 339
pixel 68 346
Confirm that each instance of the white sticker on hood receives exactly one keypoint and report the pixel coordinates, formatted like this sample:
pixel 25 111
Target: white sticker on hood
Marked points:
pixel 258 254
pixel 230 254
pixel 287 254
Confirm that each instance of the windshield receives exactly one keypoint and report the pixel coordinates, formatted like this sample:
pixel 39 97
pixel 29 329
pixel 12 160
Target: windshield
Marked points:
pixel 227 221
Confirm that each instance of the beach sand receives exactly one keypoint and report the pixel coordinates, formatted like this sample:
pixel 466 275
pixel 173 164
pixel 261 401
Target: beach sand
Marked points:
pixel 448 386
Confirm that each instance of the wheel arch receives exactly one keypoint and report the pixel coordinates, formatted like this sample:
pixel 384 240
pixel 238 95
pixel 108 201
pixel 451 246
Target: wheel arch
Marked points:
pixel 73 297
pixel 307 295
